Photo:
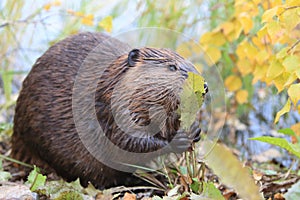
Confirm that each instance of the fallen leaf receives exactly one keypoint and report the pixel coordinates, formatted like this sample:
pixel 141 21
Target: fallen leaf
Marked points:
pixel 129 196
pixel 231 172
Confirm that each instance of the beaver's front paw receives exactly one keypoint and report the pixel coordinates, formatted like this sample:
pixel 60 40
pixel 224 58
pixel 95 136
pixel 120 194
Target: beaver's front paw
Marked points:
pixel 183 140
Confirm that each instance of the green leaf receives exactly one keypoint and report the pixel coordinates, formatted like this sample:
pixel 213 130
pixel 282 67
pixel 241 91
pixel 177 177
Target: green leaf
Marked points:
pixel 230 170
pixel 69 195
pixel 209 192
pixel 281 142
pixel 4 176
pixel 183 170
pixel 195 185
pixel 191 99
pixel 287 131
pixel 197 83
pixel 35 179
pixel 7 84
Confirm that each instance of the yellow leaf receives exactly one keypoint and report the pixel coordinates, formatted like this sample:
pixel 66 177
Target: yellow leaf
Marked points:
pixel 268 15
pixel 260 71
pixel 242 96
pixel 206 38
pixel 256 2
pixel 280 10
pixel 258 42
pixel 275 69
pixel 56 3
pixel 262 56
pixel 298 73
pixel 227 27
pixel 246 22
pixel 88 20
pixel 240 50
pixel 233 83
pixel 275 31
pixel 286 108
pixel 266 5
pixel 213 38
pixel 237 29
pixel 244 66
pixel 219 39
pixel 106 23
pixel 275 3
pixel 47 6
pixel 227 170
pixel 197 82
pixel 235 34
pixel 291 63
pixel 290 19
pixel 292 3
pixel 280 80
pixel 294 93
pixel 285 38
pixel 262 32
pixel 251 51
pixel 296 128
pixel 79 14
pixel 247 7
pixel 282 53
pixel 191 99
pixel 299 108
pixel 291 79
pixel 245 49
pixel 213 54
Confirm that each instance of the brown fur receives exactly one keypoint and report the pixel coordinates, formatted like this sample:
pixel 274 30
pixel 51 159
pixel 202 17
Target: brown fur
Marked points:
pixel 44 129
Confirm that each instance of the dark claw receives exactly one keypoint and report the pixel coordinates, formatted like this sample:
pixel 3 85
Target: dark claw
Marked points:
pixel 195 131
pixel 197 135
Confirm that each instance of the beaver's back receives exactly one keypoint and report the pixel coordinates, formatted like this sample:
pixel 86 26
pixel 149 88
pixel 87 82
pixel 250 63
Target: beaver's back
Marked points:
pixel 44 129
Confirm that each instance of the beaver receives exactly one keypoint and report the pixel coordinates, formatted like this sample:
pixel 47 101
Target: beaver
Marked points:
pixel 135 82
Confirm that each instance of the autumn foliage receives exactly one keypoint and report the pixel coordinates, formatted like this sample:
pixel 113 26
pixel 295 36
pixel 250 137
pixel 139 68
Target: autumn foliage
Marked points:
pixel 267 50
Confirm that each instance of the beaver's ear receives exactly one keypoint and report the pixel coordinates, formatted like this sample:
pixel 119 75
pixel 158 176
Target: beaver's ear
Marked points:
pixel 133 57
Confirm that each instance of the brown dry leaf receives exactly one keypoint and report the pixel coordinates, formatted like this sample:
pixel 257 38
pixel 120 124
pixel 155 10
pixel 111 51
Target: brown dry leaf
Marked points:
pixel 129 196
pixel 101 196
pixel 257 175
pixel 279 196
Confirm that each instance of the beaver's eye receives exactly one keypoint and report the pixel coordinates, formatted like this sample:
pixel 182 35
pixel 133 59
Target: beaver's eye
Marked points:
pixel 172 67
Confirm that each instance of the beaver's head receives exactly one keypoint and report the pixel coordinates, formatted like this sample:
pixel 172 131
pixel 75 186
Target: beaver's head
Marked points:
pixel 148 93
